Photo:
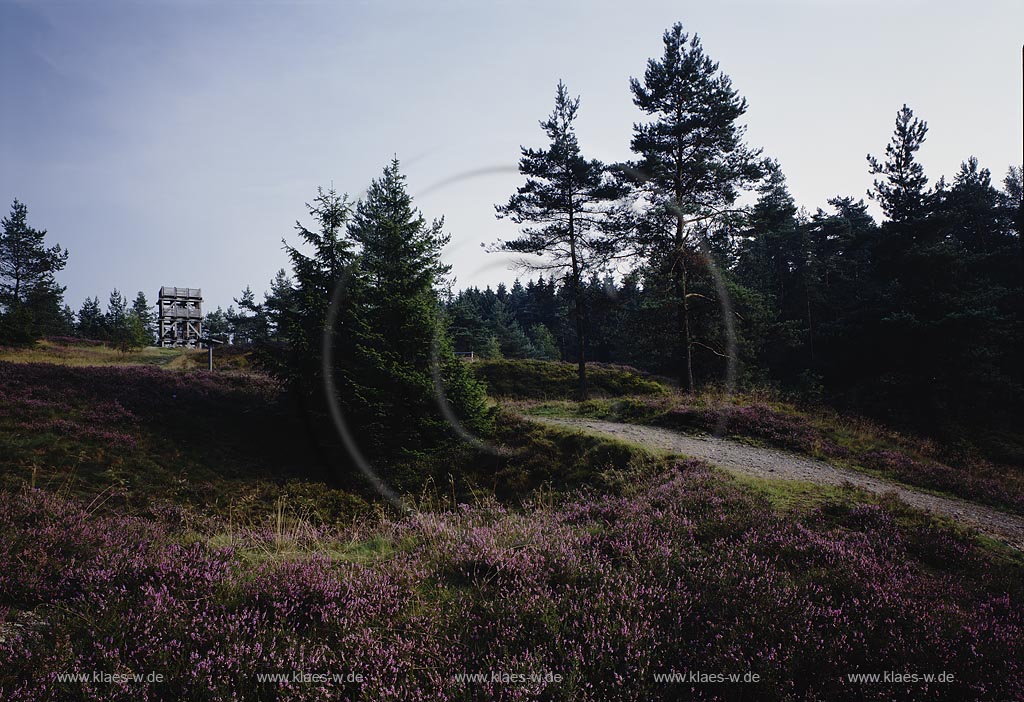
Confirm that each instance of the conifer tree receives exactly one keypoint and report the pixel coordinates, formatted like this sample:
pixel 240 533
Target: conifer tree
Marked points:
pixel 249 322
pixel 399 269
pixel 901 192
pixel 567 204
pixel 379 265
pixel 116 325
pixel 276 304
pixel 144 311
pixel 30 299
pixel 693 162
pixel 90 319
pixel 329 263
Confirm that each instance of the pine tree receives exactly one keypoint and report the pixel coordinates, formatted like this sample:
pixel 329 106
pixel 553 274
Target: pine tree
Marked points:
pixel 249 322
pixel 901 192
pixel 570 198
pixel 692 164
pixel 30 299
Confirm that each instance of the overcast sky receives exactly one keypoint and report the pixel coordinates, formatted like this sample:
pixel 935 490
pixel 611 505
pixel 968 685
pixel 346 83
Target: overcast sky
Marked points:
pixel 175 143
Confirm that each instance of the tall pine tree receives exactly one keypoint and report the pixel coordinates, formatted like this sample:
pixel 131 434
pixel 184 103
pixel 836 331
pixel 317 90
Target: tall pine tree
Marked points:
pixel 566 202
pixel 901 192
pixel 693 162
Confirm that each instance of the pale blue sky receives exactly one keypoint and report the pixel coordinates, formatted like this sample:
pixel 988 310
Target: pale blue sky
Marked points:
pixel 175 143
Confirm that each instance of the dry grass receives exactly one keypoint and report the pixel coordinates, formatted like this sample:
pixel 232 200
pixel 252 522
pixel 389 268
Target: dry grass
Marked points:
pixel 90 355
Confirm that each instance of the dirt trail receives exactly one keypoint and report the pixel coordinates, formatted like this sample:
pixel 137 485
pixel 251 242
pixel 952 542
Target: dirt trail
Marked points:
pixel 781 465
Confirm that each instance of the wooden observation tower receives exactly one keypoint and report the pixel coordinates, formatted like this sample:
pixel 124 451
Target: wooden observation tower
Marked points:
pixel 181 316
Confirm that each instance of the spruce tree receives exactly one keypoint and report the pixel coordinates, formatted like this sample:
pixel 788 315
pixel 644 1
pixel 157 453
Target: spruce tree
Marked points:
pixel 364 289
pixel 330 262
pixel 399 269
pixel 115 320
pixel 90 320
pixel 276 304
pixel 144 311
pixel 249 322
pixel 216 326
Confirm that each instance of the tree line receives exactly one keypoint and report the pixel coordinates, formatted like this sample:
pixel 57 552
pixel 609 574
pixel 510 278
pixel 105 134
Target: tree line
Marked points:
pixel 657 262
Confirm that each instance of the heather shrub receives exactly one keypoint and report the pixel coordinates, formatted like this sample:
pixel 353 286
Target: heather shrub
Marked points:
pixel 970 478
pixel 532 379
pixel 966 480
pixel 684 573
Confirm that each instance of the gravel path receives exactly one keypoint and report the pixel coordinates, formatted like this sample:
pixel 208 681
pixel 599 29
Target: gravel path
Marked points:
pixel 781 465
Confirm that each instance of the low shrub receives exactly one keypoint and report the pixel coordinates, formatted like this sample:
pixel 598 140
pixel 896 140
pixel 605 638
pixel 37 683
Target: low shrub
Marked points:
pixel 531 379
pixel 607 592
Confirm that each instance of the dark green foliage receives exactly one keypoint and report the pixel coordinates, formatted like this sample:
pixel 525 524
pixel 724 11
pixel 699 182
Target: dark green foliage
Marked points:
pixel 216 325
pixel 389 355
pixel 121 327
pixel 116 316
pixel 147 318
pixel 902 193
pixel 397 269
pixel 30 299
pixel 544 344
pixel 566 201
pixel 276 304
pixel 249 323
pixel 525 379
pixel 90 320
pixel 514 323
pixel 916 321
pixel 693 164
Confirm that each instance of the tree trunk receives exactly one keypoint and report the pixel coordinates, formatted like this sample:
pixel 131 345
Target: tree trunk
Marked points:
pixel 686 375
pixel 581 360
pixel 810 328
pixel 682 312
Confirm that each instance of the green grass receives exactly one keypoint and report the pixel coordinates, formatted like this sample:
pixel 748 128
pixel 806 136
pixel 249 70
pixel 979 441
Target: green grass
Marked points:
pixel 798 496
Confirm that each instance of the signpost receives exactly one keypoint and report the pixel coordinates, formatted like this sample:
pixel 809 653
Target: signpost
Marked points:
pixel 209 345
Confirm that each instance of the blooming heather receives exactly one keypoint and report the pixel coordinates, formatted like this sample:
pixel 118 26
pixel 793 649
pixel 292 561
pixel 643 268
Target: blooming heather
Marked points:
pixel 687 573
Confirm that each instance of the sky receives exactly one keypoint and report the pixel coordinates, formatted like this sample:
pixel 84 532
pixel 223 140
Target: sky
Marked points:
pixel 176 142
